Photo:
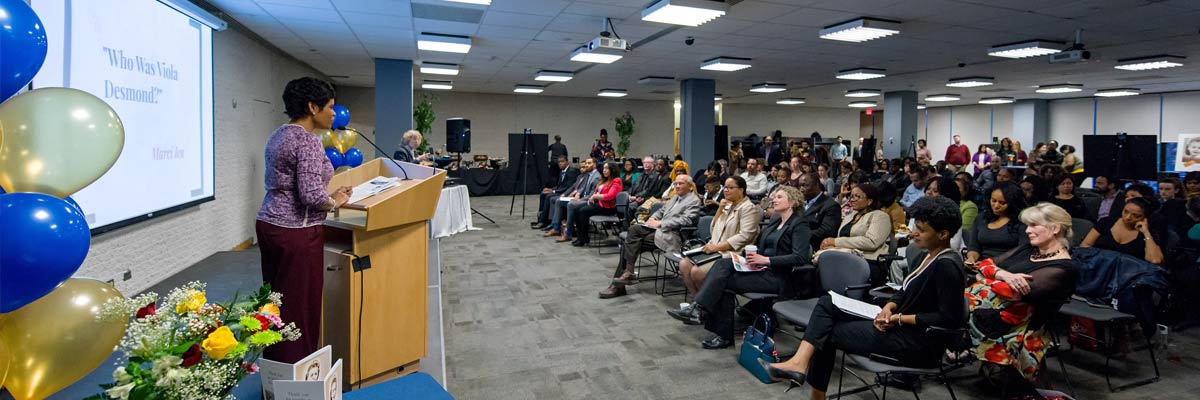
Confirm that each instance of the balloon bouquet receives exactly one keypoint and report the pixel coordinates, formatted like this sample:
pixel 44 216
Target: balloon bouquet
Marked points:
pixel 339 142
pixel 53 142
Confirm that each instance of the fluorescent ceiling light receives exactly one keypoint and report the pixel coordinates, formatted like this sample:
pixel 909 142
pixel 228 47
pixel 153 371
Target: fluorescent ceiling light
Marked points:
pixel 612 93
pixel 1029 48
pixel 1152 62
pixel 996 100
pixel 861 73
pixel 790 101
pixel 439 68
pixel 863 93
pixel 972 81
pixel 718 97
pixel 1060 88
pixel 1118 92
pixel 444 43
pixel 553 76
pixel 600 55
pixel 860 30
pixel 480 2
pixel 656 80
pixel 727 64
pixel 767 87
pixel 528 89
pixel 863 104
pixel 684 12
pixel 943 97
pixel 920 106
pixel 437 85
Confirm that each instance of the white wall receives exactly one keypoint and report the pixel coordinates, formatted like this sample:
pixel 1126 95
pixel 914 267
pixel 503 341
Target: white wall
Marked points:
pixel 249 80
pixel 794 121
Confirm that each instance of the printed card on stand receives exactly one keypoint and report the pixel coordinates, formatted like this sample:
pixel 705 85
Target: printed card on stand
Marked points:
pixel 315 367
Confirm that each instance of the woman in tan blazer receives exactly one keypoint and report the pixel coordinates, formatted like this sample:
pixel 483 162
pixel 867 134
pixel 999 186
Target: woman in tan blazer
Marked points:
pixel 734 227
pixel 867 228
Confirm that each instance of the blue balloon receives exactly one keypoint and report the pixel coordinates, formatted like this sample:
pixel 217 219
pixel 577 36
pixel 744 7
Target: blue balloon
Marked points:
pixel 45 242
pixel 335 158
pixel 354 157
pixel 74 203
pixel 24 47
pixel 341 116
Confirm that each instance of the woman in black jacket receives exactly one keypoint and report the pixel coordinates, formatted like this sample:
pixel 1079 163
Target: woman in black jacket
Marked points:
pixel 782 245
pixel 930 296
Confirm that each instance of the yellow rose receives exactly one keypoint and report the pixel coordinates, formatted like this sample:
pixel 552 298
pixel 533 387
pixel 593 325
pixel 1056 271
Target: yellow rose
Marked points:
pixel 219 343
pixel 270 308
pixel 195 300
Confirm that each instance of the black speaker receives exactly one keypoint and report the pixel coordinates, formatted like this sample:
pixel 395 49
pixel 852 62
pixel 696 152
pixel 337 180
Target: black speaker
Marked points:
pixel 721 142
pixel 458 135
pixel 866 158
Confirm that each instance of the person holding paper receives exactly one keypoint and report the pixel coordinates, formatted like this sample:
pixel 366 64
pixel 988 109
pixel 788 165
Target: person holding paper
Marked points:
pixel 289 224
pixel 782 245
pixel 930 296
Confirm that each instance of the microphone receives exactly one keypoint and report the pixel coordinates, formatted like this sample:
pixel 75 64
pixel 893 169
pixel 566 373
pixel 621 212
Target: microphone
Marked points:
pixel 364 137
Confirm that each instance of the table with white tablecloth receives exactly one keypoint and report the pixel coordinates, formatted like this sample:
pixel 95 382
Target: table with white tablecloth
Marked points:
pixel 453 213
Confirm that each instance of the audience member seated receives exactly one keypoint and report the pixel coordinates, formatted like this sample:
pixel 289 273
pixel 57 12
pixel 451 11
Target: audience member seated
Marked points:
pixel 583 187
pixel 794 163
pixel 603 201
pixel 756 180
pixel 1051 156
pixel 919 176
pixel 1191 185
pixel 997 230
pixel 1130 233
pixel 1034 189
pixel 1065 197
pixel 887 197
pixel 1111 196
pixel 966 186
pixel 655 191
pixel 929 297
pixel 821 212
pixel 567 175
pixel 828 184
pixel 782 174
pixel 966 208
pixel 782 245
pixel 1016 294
pixel 660 230
pixel 867 229
pixel 629 175
pixel 647 183
pixel 734 227
pixel 712 195
pixel 678 167
pixel 1007 175
pixel 1049 171
pixel 987 177
pixel 1138 189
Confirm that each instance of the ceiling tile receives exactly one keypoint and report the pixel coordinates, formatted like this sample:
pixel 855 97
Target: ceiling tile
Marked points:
pixel 354 18
pixel 604 10
pixel 539 7
pixel 379 7
pixel 518 20
pixel 444 27
pixel 758 11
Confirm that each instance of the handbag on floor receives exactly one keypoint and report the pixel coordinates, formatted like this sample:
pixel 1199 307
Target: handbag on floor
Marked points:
pixel 756 344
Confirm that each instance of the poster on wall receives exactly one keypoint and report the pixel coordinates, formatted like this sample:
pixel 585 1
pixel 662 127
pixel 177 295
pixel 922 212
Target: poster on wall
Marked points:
pixel 1187 155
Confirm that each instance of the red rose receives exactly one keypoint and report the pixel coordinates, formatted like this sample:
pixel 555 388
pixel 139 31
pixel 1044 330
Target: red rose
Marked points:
pixel 266 323
pixel 996 354
pixel 191 356
pixel 146 311
pixel 1034 343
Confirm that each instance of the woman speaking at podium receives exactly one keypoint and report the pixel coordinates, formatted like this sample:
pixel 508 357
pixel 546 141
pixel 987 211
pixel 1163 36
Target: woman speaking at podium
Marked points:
pixel 289 223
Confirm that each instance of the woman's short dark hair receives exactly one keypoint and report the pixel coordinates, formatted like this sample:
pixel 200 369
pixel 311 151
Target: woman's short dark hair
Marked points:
pixel 1193 176
pixel 947 188
pixel 1066 149
pixel 1012 195
pixel 1039 188
pixel 300 92
pixel 871 190
pixel 887 194
pixel 1142 189
pixel 941 213
pixel 1148 207
pixel 741 182
pixel 1059 179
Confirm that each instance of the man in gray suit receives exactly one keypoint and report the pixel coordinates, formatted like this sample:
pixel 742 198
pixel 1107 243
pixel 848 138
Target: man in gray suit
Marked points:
pixel 661 230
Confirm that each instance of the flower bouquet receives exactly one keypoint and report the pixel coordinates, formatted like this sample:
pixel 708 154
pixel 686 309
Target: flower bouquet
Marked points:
pixel 186 348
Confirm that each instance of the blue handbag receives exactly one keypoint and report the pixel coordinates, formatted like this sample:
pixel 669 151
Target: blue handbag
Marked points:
pixel 757 344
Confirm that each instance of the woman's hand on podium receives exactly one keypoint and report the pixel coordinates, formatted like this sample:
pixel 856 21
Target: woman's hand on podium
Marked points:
pixel 341 196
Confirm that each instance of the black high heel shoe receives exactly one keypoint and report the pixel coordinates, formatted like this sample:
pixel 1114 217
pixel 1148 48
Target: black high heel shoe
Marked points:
pixel 795 379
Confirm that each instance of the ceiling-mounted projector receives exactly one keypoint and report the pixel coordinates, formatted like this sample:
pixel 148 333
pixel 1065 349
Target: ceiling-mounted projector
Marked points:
pixel 603 42
pixel 1075 54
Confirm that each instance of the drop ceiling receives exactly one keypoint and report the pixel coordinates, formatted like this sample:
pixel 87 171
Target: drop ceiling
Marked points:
pixel 513 39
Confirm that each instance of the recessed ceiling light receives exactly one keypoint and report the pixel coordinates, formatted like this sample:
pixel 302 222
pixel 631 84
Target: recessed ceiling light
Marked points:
pixel 553 76
pixel 860 30
pixel 444 43
pixel 727 64
pixel 437 85
pixel 1118 92
pixel 921 106
pixel 861 73
pixel 656 80
pixel 439 68
pixel 971 81
pixel 601 55
pixel 943 97
pixel 863 104
pixel 528 89
pixel 1028 48
pixel 718 97
pixel 767 87
pixel 1060 88
pixel 612 93
pixel 480 2
pixel 1152 62
pixel 863 93
pixel 684 12
pixel 790 101
pixel 996 100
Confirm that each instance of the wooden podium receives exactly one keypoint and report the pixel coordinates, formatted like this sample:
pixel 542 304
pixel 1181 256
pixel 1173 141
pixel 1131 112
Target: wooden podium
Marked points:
pixel 375 317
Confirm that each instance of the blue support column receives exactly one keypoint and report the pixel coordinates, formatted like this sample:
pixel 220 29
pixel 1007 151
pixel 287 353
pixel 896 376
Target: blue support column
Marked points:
pixel 696 121
pixel 899 123
pixel 393 103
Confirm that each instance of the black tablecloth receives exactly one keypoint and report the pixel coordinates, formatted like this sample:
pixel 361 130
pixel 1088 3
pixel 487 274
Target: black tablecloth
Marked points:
pixel 491 182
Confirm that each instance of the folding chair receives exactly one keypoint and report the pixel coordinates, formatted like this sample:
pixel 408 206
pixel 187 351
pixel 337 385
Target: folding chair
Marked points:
pixel 700 234
pixel 1104 315
pixel 846 274
pixel 1079 229
pixel 883 367
pixel 606 223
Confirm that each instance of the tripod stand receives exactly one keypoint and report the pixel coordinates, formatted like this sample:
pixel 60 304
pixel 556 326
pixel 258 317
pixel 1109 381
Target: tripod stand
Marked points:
pixel 522 172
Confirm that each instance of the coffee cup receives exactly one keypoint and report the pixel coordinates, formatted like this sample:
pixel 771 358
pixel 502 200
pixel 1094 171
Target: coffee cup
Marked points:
pixel 751 249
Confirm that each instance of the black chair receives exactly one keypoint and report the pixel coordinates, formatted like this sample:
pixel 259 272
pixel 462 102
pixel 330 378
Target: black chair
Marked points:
pixel 1107 316
pixel 845 273
pixel 611 223
pixel 694 237
pixel 883 367
pixel 1079 229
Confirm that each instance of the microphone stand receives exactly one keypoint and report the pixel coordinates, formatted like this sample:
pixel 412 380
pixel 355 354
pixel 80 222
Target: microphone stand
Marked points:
pixel 364 137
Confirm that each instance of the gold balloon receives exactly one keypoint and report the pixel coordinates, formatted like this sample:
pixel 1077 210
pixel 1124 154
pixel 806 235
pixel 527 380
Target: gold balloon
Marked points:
pixel 341 169
pixel 4 358
pixel 57 141
pixel 345 139
pixel 326 136
pixel 56 340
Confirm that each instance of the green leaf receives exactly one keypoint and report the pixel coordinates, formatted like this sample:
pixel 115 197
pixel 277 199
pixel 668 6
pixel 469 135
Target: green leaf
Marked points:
pixel 142 392
pixel 182 348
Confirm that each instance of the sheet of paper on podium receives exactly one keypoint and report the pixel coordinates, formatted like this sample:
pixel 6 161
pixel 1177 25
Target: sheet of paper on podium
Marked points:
pixel 373 187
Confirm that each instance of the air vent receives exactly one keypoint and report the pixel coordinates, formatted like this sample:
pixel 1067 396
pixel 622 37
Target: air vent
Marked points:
pixel 446 13
pixel 1140 78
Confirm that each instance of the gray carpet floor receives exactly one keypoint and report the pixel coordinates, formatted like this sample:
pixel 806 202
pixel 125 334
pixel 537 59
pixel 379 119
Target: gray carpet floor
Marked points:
pixel 523 321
